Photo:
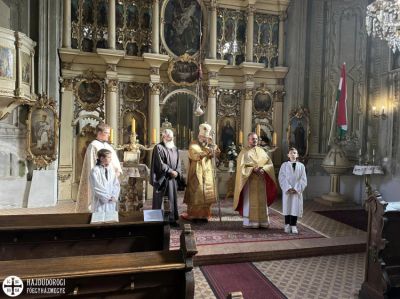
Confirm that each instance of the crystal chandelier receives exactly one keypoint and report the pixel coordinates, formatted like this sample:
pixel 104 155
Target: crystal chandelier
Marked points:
pixel 383 21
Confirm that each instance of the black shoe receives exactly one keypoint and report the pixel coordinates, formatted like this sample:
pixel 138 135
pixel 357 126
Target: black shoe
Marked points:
pixel 174 224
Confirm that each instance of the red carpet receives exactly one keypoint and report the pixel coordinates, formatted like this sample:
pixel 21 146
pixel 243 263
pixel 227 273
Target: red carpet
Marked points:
pixel 355 218
pixel 243 277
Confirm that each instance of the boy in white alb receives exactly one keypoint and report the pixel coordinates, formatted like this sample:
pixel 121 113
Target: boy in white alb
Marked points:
pixel 104 183
pixel 293 181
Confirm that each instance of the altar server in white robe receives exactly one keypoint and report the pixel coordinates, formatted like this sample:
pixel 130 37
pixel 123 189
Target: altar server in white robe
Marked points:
pixel 104 183
pixel 293 181
pixel 84 191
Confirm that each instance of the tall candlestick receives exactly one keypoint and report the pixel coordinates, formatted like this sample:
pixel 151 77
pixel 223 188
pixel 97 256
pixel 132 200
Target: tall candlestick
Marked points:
pixel 240 137
pixel 111 136
pixel 154 136
pixel 274 139
pixel 258 130
pixel 133 124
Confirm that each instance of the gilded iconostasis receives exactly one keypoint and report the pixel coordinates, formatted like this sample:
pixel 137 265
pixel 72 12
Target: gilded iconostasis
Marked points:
pixel 140 65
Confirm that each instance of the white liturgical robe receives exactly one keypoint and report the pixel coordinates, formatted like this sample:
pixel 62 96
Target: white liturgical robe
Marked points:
pixel 104 188
pixel 84 191
pixel 292 204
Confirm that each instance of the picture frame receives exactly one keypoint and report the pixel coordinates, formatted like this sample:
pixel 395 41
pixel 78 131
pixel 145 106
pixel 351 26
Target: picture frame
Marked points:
pixel 181 22
pixel 298 132
pixel 184 71
pixel 42 132
pixel 262 102
pixel 90 93
pixel 227 133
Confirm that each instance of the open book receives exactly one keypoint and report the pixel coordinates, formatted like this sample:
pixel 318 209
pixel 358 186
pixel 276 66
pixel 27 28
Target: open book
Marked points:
pixel 104 217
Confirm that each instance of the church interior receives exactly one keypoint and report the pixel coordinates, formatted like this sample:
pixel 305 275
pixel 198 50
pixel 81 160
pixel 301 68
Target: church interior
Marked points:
pixel 322 76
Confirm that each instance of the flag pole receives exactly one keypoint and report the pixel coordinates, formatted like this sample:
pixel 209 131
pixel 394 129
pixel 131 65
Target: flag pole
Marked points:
pixel 333 120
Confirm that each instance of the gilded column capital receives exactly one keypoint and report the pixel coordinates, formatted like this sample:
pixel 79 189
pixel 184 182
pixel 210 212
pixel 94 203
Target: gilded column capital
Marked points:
pixel 282 16
pixel 154 71
pixel 155 88
pixel 213 4
pixel 66 84
pixel 248 95
pixel 251 9
pixel 249 77
pixel 279 95
pixel 112 85
pixel 212 91
pixel 111 67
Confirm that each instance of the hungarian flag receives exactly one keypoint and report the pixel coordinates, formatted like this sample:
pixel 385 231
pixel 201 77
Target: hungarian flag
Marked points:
pixel 342 104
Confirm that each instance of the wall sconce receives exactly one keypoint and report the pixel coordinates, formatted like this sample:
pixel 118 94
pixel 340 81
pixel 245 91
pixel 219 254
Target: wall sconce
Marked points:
pixel 376 114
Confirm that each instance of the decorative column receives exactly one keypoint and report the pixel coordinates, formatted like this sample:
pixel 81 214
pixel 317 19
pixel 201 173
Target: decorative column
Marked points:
pixel 281 46
pixel 213 30
pixel 111 24
pixel 155 40
pixel 247 114
pixel 67 24
pixel 250 33
pixel 154 112
pixel 212 107
pixel 65 167
pixel 112 107
pixel 277 124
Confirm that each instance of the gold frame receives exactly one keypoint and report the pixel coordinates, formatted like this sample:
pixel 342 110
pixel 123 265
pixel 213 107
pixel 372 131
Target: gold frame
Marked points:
pixel 185 58
pixel 44 103
pixel 300 114
pixel 267 113
pixel 137 99
pixel 204 29
pixel 89 106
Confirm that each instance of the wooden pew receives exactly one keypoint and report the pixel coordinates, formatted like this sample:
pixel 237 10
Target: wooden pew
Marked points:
pixel 382 267
pixel 62 235
pixel 152 274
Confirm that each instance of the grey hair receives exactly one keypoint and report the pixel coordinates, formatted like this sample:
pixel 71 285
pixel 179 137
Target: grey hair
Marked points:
pixel 167 132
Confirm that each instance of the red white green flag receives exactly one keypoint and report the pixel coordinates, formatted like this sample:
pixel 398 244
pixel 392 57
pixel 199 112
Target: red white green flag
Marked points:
pixel 341 99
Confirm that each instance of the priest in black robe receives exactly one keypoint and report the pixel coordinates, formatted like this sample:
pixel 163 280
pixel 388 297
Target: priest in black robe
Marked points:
pixel 165 173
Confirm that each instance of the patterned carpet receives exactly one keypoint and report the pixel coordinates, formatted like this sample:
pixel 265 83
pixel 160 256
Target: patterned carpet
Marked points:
pixel 231 230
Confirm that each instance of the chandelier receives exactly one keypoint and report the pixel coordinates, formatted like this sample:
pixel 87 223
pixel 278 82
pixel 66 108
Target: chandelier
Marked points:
pixel 383 21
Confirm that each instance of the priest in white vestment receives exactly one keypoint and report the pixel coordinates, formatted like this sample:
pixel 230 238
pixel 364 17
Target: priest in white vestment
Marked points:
pixel 84 191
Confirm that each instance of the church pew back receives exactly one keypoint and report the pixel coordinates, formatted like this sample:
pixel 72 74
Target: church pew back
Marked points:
pixel 50 236
pixel 152 274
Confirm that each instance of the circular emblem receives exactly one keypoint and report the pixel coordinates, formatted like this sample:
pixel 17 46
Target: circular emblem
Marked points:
pixel 13 286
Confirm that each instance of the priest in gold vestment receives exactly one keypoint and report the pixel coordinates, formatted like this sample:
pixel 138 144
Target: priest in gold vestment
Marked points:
pixel 255 185
pixel 201 190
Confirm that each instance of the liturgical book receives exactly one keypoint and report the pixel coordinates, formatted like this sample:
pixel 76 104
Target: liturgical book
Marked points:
pixel 104 217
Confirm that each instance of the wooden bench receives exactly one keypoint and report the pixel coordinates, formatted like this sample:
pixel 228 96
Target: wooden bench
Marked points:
pixel 62 235
pixel 152 274
pixel 382 267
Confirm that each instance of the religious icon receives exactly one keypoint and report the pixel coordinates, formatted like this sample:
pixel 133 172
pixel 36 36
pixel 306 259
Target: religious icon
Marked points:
pixel 26 68
pixel 42 139
pixel 6 63
pixel 89 93
pixel 298 131
pixel 262 102
pixel 181 26
pixel 227 134
pixel 132 17
pixel 183 72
